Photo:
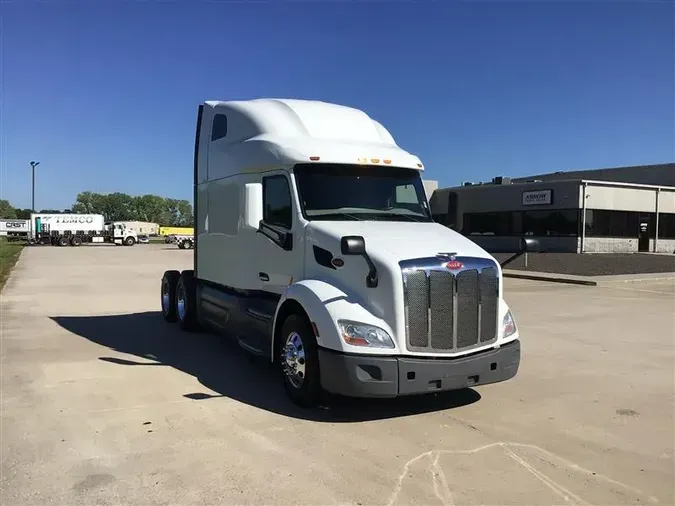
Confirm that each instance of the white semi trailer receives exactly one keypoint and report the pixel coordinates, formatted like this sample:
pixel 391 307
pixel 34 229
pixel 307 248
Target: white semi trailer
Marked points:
pixel 76 229
pixel 315 248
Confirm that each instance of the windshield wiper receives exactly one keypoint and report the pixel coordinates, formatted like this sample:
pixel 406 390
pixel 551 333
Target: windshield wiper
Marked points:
pixel 402 215
pixel 336 215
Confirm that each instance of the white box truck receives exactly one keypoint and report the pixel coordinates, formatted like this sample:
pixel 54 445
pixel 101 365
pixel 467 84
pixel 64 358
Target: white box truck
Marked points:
pixel 315 248
pixel 15 230
pixel 76 229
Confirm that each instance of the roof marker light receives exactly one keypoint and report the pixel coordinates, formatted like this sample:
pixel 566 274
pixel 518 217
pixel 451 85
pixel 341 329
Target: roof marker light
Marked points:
pixel 419 165
pixel 375 160
pixel 315 158
pixel 363 160
pixel 387 161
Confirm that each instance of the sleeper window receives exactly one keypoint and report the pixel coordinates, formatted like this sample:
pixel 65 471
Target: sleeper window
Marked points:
pixel 219 127
pixel 277 201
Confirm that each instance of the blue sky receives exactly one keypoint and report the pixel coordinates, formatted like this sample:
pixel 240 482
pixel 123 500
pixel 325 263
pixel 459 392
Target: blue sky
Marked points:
pixel 104 93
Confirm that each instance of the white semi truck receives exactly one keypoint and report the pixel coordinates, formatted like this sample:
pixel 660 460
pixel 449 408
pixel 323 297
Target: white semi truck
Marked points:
pixel 315 248
pixel 76 229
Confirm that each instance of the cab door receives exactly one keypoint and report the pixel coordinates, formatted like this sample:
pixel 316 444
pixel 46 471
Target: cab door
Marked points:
pixel 278 242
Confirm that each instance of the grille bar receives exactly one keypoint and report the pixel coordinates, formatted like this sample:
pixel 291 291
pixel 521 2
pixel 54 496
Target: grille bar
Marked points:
pixel 448 311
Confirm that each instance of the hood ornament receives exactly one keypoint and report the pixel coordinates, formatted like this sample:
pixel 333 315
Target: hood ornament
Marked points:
pixel 447 256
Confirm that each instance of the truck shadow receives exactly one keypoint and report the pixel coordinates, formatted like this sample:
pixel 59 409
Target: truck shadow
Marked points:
pixel 223 367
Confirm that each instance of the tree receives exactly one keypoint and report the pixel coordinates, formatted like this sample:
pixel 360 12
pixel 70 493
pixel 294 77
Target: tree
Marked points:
pixel 122 207
pixel 7 210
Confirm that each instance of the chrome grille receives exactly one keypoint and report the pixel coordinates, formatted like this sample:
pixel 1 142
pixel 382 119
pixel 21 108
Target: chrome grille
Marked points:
pixel 448 311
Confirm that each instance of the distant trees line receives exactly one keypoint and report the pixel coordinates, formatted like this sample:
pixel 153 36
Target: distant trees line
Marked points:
pixel 118 207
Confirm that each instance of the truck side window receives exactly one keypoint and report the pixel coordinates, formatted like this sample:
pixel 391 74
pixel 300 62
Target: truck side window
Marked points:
pixel 277 201
pixel 406 194
pixel 219 127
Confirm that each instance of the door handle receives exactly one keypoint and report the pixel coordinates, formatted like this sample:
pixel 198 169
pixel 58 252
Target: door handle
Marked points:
pixel 263 276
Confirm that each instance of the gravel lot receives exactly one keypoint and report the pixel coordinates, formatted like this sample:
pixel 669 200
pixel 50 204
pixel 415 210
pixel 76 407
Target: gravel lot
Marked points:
pixel 102 402
pixel 592 264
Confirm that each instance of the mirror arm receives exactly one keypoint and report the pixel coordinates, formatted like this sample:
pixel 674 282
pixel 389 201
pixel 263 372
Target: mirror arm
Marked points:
pixel 371 278
pixel 525 247
pixel 511 259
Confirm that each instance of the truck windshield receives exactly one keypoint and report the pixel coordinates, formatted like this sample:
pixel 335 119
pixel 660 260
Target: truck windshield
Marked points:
pixel 361 192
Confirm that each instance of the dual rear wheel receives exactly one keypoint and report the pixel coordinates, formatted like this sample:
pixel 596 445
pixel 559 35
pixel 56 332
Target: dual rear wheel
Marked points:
pixel 179 294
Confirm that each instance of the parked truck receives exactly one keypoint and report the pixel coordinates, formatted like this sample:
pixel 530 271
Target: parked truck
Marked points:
pixel 315 248
pixel 14 230
pixel 76 229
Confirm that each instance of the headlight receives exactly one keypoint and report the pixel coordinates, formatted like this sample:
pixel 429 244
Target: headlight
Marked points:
pixel 508 325
pixel 361 334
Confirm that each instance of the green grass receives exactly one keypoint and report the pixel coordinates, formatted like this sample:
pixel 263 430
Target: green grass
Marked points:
pixel 9 254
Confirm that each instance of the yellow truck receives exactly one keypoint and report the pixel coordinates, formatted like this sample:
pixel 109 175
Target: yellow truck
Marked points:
pixel 176 231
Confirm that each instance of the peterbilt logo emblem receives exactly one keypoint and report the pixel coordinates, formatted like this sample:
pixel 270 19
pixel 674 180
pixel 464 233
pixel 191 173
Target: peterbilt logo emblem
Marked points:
pixel 454 265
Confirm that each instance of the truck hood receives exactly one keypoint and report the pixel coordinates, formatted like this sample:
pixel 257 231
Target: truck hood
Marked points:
pixel 402 240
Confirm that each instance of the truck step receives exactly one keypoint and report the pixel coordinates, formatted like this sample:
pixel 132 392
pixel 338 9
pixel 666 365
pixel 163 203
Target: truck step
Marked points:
pixel 250 348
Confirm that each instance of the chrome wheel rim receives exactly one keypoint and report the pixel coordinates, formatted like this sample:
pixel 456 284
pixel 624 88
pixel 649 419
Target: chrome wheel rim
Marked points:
pixel 180 302
pixel 294 360
pixel 165 297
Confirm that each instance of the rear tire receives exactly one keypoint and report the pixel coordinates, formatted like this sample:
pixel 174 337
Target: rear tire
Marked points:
pixel 168 295
pixel 186 301
pixel 75 241
pixel 63 241
pixel 299 361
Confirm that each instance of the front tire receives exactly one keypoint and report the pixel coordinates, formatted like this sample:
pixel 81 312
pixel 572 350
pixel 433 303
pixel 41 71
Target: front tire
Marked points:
pixel 129 241
pixel 168 295
pixel 299 361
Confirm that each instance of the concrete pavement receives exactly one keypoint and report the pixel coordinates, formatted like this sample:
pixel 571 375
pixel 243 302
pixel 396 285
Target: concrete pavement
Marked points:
pixel 102 402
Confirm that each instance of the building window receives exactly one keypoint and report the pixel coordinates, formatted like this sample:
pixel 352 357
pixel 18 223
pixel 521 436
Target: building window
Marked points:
pixel 277 201
pixel 551 223
pixel 666 226
pixel 488 223
pixel 603 223
pixel 219 127
pixel 559 223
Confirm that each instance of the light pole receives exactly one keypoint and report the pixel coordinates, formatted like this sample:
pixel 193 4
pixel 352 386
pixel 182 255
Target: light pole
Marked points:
pixel 32 204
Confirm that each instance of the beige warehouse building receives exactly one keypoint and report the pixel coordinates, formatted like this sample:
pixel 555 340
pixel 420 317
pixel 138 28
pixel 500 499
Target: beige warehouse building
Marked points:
pixel 625 209
pixel 142 227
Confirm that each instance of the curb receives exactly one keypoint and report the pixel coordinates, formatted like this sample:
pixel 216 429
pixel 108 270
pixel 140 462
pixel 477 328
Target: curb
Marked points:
pixel 635 278
pixel 551 278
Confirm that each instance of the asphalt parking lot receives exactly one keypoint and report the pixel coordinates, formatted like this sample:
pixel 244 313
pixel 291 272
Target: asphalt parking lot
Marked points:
pixel 102 402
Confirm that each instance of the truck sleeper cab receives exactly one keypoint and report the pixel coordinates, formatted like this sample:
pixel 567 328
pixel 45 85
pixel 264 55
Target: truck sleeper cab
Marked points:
pixel 315 248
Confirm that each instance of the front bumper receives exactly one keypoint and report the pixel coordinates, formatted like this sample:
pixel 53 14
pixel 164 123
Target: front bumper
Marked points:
pixel 374 376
